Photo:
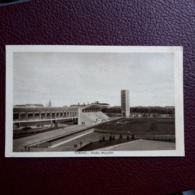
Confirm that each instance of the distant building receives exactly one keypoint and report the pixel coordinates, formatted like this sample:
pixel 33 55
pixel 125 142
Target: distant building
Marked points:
pixel 49 104
pixel 125 110
pixel 90 105
pixel 28 105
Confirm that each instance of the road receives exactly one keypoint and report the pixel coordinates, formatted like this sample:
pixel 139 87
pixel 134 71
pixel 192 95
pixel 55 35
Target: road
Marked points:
pixel 19 144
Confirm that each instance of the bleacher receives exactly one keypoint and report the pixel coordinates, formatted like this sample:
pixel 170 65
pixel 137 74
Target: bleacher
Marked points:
pixel 90 118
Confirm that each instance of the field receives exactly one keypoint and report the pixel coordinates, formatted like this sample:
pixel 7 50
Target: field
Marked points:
pixel 140 126
pixel 123 130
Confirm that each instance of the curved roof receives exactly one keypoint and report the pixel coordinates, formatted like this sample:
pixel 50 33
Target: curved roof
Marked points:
pixel 96 106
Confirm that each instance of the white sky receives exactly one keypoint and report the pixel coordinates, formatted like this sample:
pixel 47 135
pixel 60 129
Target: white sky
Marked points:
pixel 69 78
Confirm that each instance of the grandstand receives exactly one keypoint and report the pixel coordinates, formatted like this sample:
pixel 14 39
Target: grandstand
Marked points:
pixel 91 118
pixel 36 115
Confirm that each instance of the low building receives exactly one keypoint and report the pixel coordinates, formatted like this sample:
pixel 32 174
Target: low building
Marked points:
pixel 39 115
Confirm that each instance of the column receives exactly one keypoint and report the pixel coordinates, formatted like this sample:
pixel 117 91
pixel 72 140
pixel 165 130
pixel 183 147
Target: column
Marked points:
pixel 19 116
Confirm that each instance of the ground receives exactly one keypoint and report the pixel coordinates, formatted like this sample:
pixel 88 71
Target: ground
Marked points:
pixel 159 129
pixel 106 135
pixel 141 145
pixel 140 126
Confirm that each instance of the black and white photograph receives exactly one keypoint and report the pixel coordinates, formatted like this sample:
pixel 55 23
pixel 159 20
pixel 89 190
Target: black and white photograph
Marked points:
pixel 94 101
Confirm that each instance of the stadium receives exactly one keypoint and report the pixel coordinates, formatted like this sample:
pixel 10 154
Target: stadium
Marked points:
pixel 92 126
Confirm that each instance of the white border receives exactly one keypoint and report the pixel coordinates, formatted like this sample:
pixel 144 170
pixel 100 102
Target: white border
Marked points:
pixel 178 77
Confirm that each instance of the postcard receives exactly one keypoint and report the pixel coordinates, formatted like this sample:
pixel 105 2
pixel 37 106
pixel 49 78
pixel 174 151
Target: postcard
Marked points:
pixel 94 101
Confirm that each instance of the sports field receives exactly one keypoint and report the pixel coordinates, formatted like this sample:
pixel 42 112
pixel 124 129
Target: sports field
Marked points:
pixel 122 130
pixel 140 126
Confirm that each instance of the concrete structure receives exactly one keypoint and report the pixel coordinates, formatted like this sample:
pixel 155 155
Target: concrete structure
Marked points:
pixel 125 110
pixel 92 118
pixel 50 138
pixel 30 116
pixel 91 114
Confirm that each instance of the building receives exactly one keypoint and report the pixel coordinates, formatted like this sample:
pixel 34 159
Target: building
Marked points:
pixel 49 104
pixel 28 105
pixel 38 115
pixel 125 110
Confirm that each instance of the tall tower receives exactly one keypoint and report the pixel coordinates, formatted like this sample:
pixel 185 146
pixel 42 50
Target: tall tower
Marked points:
pixel 125 110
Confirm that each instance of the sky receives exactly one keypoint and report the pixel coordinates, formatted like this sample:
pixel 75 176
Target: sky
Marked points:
pixel 69 78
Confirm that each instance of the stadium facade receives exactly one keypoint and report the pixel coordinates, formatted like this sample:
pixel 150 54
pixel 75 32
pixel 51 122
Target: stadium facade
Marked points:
pixel 38 115
pixel 91 114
